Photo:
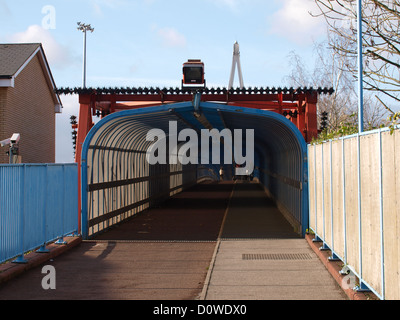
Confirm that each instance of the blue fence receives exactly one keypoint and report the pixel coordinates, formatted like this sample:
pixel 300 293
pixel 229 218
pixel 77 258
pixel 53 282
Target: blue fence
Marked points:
pixel 38 205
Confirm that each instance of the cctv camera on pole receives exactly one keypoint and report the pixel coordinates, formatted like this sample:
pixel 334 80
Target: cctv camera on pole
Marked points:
pixel 13 144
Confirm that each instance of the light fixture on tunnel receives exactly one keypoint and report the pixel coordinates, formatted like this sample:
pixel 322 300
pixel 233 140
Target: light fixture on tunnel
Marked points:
pixel 193 74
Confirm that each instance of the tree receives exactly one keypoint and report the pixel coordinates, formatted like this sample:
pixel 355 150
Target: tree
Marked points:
pixel 329 71
pixel 381 42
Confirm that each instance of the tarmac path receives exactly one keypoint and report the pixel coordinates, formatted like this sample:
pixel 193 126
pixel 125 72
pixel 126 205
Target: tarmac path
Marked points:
pixel 160 254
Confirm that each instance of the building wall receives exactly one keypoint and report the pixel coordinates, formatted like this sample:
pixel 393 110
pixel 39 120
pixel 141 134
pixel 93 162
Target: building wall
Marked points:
pixel 28 109
pixel 3 135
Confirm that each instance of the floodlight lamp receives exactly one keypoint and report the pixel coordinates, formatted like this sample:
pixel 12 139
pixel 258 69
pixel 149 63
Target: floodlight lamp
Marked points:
pixel 84 27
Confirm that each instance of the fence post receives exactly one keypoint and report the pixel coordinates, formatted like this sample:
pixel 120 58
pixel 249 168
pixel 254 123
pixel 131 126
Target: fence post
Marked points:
pixel 381 216
pixel 61 238
pixel 317 238
pixel 361 286
pixel 344 202
pixel 324 246
pixel 20 258
pixel 43 249
pixel 359 204
pixel 333 257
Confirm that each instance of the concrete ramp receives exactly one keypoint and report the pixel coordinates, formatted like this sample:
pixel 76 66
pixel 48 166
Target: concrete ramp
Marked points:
pixel 260 257
pixel 269 269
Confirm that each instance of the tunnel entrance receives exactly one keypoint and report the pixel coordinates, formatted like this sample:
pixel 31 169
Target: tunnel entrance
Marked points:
pixel 208 211
pixel 117 181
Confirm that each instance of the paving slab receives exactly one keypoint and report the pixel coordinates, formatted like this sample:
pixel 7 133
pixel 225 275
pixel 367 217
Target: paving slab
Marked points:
pixel 260 257
pixel 271 277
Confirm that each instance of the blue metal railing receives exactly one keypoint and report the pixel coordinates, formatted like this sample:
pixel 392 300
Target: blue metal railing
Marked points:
pixel 38 205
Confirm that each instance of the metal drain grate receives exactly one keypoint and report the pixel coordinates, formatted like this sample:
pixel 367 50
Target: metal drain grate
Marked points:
pixel 276 256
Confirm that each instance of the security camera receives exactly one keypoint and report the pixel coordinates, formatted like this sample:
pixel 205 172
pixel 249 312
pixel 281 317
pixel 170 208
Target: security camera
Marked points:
pixel 11 141
pixel 5 142
pixel 15 138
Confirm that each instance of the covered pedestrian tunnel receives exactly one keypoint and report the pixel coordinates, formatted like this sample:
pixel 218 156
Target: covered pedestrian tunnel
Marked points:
pixel 117 180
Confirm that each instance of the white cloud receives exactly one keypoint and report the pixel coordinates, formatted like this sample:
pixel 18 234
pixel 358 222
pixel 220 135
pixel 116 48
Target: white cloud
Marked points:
pixel 230 4
pixel 170 37
pixel 293 21
pixel 58 55
pixel 98 5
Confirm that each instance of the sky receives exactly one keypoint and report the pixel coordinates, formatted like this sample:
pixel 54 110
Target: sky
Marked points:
pixel 142 43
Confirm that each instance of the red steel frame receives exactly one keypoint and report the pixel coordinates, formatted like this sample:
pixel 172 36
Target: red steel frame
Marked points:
pixel 303 105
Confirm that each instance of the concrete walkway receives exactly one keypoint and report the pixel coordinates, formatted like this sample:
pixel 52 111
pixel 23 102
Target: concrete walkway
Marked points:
pixel 259 257
pixel 275 269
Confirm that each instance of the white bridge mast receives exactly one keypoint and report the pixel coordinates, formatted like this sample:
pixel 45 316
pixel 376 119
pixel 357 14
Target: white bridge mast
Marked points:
pixel 236 61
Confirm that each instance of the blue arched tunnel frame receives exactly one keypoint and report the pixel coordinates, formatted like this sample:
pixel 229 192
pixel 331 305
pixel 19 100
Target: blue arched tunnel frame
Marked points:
pixel 280 149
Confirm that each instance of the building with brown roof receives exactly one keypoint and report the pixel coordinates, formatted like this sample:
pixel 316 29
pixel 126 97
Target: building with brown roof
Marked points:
pixel 28 102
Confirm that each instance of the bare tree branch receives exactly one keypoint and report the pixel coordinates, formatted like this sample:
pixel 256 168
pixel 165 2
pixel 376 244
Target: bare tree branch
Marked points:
pixel 381 41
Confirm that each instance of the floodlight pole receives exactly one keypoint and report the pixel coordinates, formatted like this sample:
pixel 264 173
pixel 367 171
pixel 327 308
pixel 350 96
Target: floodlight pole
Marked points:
pixel 360 70
pixel 84 61
pixel 84 28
